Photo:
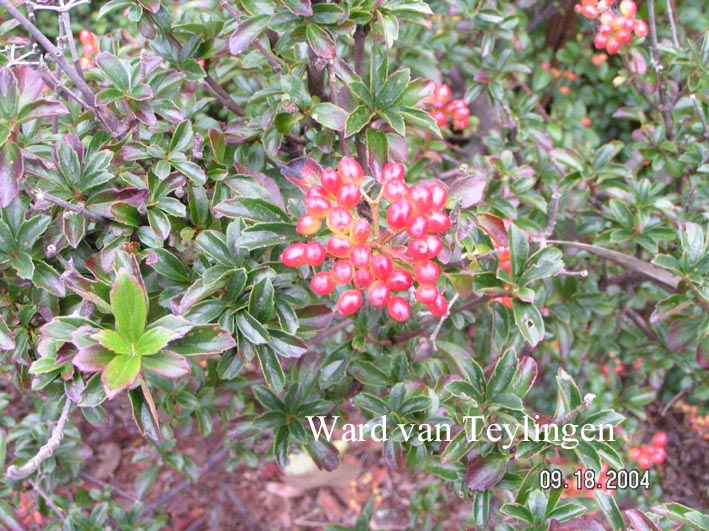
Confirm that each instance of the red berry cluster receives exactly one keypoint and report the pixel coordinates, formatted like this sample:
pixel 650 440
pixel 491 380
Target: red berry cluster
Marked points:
pixel 361 256
pixel 616 27
pixel 90 48
pixel 503 262
pixel 442 108
pixel 647 454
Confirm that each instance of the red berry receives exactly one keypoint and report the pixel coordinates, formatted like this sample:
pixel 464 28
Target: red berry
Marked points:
pixel 382 266
pixel 360 231
pixel 644 462
pixel 441 94
pixel 350 301
pixel 85 36
pixel 316 191
pixel 438 222
pixel 399 280
pixel 628 8
pixel 308 225
pixel 600 41
pixel 90 48
pixel 339 247
pixel 314 254
pixel 439 195
pixel 624 37
pixel 613 46
pixel 398 214
pixel 435 245
pixel 395 189
pixel 361 256
pixel 440 117
pixel 379 293
pixel 439 307
pixel 330 181
pixel 350 171
pixel 635 453
pixel 339 220
pixel 342 271
pixel 393 170
pixel 363 278
pixel 589 11
pixel 317 206
pixel 641 28
pixel 420 198
pixel 426 294
pixel 418 249
pixel 659 439
pixel 418 226
pixel 426 272
pixel 659 456
pixel 461 124
pixel 399 309
pixel 461 114
pixel 456 105
pixel 322 283
pixel 294 255
pixel 348 195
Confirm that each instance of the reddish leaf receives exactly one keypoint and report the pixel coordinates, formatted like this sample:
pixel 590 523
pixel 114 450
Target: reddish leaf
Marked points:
pixel 495 228
pixel 485 472
pixel 246 33
pixel 303 172
pixel 703 351
pixel 467 191
pixel 11 169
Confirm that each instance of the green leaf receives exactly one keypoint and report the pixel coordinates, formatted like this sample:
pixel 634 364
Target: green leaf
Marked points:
pixel 203 340
pixel 129 305
pixel 7 338
pixel 22 263
pixel 502 375
pixel 116 70
pixel 529 321
pixel 115 342
pixel 190 170
pixel 320 41
pixel 143 414
pixel 393 88
pixel 166 364
pixel 329 115
pixel 154 340
pixel 271 368
pixel 247 32
pixel 610 510
pixel 568 157
pixel 357 120
pixel 120 373
pixel 261 300
pixel 519 251
pixel 251 329
pixel 182 137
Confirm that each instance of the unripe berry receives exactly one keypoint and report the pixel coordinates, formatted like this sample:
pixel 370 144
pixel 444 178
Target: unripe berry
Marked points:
pixel 399 280
pixel 330 181
pixel 418 226
pixel 339 247
pixel 418 249
pixel 379 293
pixel 426 294
pixel 360 231
pixel 348 195
pixel 342 272
pixel 314 254
pixel 308 225
pixel 339 220
pixel 363 278
pixel 659 439
pixel 399 309
pixel 393 170
pixel 438 222
pixel 318 207
pixel 439 307
pixel 439 195
pixel 398 214
pixel 395 189
pixel 322 283
pixel 350 171
pixel 641 29
pixel 420 198
pixel 350 301
pixel 628 8
pixel 361 256
pixel 382 266
pixel 294 255
pixel 427 272
pixel 85 62
pixel 435 245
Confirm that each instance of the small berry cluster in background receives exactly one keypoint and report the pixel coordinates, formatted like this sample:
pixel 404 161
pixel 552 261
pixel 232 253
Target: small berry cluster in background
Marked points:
pixel 699 423
pixel 615 28
pixel 572 491
pixel 443 109
pixel 89 49
pixel 648 454
pixel 362 257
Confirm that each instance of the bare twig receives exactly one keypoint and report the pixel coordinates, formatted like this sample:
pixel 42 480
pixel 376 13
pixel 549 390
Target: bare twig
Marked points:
pixel 102 113
pixel 40 195
pixel 247 520
pixel 360 36
pixel 700 112
pixel 555 198
pixel 671 15
pixel 50 503
pixel 46 451
pixel 657 64
pixel 118 490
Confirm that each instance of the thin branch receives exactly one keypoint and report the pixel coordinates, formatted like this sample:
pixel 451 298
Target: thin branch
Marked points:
pixel 255 43
pixel 50 503
pixel 223 96
pixel 700 112
pixel 671 14
pixel 434 335
pixel 700 296
pixel 40 195
pixel 102 113
pixel 46 451
pixel 657 63
pixel 555 198
pixel 118 490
